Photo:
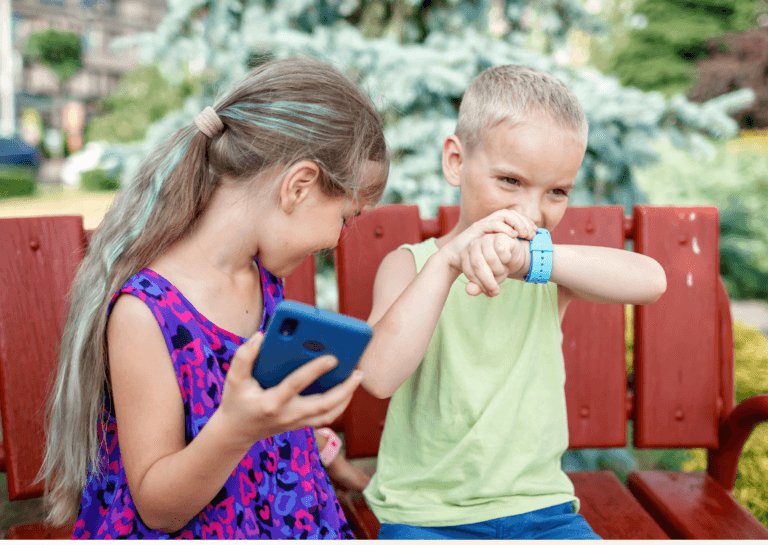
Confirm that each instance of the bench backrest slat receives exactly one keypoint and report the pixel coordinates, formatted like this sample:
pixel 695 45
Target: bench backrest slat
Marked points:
pixel 594 345
pixel 38 259
pixel 677 349
pixel 300 284
pixel 362 247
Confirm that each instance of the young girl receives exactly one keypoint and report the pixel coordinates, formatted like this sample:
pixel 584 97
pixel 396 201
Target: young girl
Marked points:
pixel 156 426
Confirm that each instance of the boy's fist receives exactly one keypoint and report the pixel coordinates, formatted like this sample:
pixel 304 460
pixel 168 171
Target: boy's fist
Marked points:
pixel 491 258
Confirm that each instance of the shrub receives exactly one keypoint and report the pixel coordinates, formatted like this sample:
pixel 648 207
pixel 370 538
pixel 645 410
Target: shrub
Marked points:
pixel 97 179
pixel 735 179
pixel 16 182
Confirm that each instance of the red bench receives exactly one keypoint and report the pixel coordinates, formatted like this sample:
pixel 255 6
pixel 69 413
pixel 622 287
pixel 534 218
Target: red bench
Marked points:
pixel 38 260
pixel 682 395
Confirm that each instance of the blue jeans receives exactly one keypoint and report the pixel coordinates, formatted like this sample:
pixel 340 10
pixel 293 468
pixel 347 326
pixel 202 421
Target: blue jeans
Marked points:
pixel 557 522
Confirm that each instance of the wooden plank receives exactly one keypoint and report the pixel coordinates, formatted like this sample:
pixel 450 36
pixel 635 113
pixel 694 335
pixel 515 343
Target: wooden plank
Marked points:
pixel 693 506
pixel 361 519
pixel 38 259
pixel 368 239
pixel 37 530
pixel 363 245
pixel 593 341
pixel 676 364
pixel 300 284
pixel 610 509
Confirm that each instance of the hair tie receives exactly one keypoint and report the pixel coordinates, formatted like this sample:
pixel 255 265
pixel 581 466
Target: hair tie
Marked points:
pixel 209 122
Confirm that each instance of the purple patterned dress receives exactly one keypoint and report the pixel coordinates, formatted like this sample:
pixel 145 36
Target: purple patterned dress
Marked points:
pixel 279 490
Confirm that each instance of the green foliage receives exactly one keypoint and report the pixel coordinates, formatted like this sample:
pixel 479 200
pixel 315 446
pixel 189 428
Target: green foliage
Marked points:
pixel 661 52
pixel 142 98
pixel 16 182
pixel 751 363
pixel 416 59
pixel 734 178
pixel 98 179
pixel 61 51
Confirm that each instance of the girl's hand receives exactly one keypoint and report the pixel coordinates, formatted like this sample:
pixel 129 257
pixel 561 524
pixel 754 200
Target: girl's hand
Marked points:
pixel 490 259
pixel 253 413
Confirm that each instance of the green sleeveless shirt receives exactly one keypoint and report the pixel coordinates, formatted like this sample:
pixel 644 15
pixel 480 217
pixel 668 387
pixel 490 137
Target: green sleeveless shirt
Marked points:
pixel 477 432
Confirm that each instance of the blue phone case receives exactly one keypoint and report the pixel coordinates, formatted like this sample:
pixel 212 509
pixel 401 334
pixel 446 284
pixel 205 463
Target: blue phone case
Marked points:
pixel 298 333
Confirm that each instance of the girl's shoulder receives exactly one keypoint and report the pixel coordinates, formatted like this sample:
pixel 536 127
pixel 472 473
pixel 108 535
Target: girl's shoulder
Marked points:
pixel 146 285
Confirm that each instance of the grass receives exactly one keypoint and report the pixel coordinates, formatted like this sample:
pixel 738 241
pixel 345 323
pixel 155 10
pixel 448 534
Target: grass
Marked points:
pixel 59 200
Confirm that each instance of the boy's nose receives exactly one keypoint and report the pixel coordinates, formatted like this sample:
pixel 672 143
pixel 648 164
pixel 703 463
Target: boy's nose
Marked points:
pixel 530 210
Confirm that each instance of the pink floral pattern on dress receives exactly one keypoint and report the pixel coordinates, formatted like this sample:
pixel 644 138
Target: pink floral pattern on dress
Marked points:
pixel 279 489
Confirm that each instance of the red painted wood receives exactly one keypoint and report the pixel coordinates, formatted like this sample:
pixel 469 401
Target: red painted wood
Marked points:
pixel 38 259
pixel 361 519
pixel 722 464
pixel 447 218
pixel 2 456
pixel 725 345
pixel 609 508
pixel 593 341
pixel 300 284
pixel 693 506
pixel 676 364
pixel 363 245
pixel 37 530
pixel 369 238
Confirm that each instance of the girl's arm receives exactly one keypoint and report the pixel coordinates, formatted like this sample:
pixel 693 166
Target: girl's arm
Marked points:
pixel 341 471
pixel 170 481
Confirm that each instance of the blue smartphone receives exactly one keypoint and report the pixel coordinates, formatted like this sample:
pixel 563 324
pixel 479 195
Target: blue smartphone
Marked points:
pixel 298 333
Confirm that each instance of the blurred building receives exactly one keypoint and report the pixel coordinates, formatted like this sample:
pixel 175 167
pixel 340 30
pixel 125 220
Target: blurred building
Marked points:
pixel 97 22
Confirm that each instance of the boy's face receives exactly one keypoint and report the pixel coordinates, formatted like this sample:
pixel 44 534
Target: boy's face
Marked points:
pixel 528 167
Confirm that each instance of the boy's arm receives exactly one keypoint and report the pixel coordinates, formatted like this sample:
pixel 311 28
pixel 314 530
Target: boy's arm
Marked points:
pixel 406 307
pixel 592 273
pixel 606 275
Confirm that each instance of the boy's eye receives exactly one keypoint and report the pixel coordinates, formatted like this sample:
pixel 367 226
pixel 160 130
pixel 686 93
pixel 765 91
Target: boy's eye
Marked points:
pixel 511 181
pixel 561 192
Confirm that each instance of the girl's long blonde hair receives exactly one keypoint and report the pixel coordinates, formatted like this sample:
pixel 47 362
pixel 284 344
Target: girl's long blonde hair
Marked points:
pixel 283 112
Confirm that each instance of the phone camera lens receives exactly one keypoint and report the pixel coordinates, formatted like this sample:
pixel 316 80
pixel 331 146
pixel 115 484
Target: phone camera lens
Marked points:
pixel 288 327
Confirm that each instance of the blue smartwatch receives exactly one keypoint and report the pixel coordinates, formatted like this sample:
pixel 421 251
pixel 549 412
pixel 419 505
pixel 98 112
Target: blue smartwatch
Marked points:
pixel 541 257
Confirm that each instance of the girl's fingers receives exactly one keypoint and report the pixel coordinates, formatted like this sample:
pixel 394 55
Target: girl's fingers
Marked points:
pixel 335 400
pixel 302 377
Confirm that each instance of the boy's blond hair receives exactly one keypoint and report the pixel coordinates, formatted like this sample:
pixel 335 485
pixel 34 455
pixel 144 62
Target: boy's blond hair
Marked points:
pixel 509 92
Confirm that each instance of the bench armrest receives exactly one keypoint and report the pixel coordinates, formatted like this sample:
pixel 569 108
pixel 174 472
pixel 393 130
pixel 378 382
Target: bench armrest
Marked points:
pixel 722 464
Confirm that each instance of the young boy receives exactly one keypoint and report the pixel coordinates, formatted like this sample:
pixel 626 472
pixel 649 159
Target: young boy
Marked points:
pixel 477 421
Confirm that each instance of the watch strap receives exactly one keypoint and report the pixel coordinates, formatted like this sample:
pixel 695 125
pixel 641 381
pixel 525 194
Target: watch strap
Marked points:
pixel 541 257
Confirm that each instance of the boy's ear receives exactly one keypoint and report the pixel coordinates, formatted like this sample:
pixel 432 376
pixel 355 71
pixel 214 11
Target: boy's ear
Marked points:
pixel 453 160
pixel 300 180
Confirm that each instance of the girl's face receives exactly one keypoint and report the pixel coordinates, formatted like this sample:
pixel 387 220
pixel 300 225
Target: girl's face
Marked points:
pixel 315 225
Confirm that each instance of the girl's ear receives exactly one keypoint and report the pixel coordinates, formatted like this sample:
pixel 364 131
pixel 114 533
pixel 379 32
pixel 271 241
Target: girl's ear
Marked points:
pixel 297 184
pixel 453 159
